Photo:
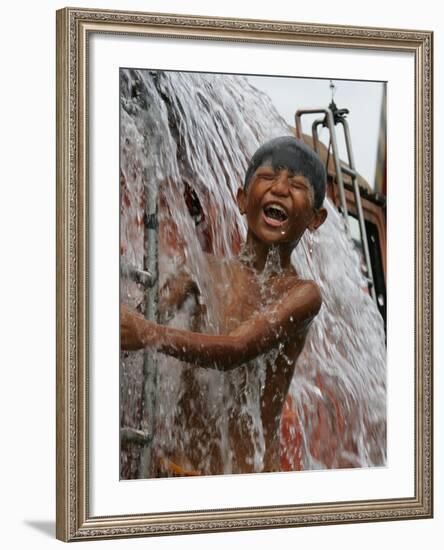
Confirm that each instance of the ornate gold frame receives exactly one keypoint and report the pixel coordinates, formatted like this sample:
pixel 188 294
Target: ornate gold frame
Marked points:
pixel 73 519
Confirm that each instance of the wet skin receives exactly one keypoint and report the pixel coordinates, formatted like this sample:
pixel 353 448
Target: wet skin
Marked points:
pixel 262 312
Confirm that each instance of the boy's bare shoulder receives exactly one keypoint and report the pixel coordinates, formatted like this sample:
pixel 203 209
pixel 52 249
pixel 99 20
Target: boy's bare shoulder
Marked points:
pixel 308 291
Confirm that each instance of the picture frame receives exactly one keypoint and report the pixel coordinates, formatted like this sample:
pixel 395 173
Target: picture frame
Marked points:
pixel 76 212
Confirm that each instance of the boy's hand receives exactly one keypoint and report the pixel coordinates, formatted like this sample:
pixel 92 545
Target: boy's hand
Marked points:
pixel 131 329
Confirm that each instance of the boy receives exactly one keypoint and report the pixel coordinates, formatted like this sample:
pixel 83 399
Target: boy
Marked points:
pixel 266 313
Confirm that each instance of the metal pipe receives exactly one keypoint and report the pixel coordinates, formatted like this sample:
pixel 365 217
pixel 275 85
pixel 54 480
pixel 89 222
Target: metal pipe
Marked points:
pixel 135 436
pixel 350 170
pixel 301 112
pixel 331 126
pixel 150 374
pixel 338 171
pixel 298 124
pixel 314 131
pixel 138 275
pixel 357 193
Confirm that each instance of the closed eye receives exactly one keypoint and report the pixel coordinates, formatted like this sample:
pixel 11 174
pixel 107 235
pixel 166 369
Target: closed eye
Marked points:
pixel 298 184
pixel 266 177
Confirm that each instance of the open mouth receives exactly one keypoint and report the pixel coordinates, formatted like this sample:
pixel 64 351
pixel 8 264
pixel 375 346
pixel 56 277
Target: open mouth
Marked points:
pixel 275 215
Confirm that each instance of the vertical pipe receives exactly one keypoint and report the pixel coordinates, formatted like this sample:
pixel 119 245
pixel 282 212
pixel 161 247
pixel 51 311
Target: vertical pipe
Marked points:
pixel 338 170
pixel 331 126
pixel 351 162
pixel 298 124
pixel 314 131
pixel 150 375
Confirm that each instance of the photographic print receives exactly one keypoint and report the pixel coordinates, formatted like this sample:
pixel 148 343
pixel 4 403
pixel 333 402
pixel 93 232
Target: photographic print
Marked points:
pixel 252 274
pixel 244 274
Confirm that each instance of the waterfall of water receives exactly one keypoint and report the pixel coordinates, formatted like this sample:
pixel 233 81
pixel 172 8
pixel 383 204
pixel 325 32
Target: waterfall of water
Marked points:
pixel 191 136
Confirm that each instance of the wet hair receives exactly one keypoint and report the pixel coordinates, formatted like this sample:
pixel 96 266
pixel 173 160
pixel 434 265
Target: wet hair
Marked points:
pixel 293 154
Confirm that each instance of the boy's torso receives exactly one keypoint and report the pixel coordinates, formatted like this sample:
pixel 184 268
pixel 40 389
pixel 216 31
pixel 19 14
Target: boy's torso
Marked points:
pixel 239 295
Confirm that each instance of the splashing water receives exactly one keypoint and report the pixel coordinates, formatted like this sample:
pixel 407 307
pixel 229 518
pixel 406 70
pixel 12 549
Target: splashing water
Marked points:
pixel 191 136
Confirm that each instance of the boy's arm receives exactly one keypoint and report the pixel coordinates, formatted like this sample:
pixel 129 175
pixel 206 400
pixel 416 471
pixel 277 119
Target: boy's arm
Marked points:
pixel 264 331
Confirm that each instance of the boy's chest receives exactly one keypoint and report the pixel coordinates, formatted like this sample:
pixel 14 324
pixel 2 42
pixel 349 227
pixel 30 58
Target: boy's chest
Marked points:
pixel 245 296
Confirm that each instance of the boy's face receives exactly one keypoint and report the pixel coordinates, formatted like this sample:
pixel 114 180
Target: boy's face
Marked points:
pixel 279 206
